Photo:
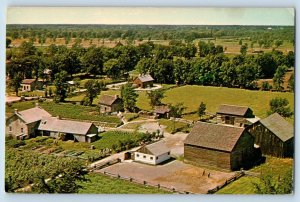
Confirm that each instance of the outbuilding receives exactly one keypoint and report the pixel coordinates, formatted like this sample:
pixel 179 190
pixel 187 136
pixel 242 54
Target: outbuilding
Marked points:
pixel 154 153
pixel 162 111
pixel 109 103
pixel 31 84
pixel 274 135
pixel 234 115
pixel 68 129
pixel 220 146
pixel 144 81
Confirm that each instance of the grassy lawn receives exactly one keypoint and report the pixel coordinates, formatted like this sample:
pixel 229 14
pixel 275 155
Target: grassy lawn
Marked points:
pixel 112 137
pixel 66 110
pixel 215 96
pixel 100 184
pixel 130 116
pixel 244 185
pixel 172 127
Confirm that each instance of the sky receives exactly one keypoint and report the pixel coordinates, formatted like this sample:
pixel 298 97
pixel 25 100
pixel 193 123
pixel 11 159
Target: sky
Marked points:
pixel 150 15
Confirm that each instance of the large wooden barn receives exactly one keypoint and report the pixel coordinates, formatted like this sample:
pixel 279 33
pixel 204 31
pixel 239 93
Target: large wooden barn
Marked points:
pixel 220 146
pixel 234 115
pixel 144 81
pixel 274 135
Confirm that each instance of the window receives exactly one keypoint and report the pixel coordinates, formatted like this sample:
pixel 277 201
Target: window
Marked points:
pixel 137 155
pixel 168 153
pixel 22 130
pixel 144 156
pixel 156 157
pixel 151 158
pixel 10 128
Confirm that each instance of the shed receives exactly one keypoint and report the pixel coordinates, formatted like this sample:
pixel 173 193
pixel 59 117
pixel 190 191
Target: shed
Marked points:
pixel 274 135
pixel 68 129
pixel 154 153
pixel 109 103
pixel 162 111
pixel 31 84
pixel 220 146
pixel 234 115
pixel 144 80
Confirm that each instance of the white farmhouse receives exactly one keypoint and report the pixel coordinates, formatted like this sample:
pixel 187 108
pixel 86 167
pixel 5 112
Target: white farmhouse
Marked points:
pixel 153 153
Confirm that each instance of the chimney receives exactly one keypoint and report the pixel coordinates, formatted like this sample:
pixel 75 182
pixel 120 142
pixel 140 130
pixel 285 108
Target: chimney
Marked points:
pixel 16 111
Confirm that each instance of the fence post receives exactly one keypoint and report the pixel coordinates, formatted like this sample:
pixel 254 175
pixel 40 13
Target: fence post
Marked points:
pixel 144 182
pixel 130 179
pixel 158 185
pixel 118 176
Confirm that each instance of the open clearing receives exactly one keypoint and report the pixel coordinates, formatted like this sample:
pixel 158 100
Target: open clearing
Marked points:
pixel 174 174
pixel 213 97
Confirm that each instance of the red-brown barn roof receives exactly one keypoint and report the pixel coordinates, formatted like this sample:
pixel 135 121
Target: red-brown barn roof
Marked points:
pixel 161 109
pixel 28 81
pixel 214 136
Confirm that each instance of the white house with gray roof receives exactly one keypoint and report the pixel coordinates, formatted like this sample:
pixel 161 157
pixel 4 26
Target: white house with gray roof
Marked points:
pixel 154 153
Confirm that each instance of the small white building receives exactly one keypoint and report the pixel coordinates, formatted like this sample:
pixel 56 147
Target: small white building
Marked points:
pixel 154 154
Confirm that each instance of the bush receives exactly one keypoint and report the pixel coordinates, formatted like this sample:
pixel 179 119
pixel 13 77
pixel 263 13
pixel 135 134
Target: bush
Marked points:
pixel 14 143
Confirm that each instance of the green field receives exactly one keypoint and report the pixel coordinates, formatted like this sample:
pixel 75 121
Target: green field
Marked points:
pixel 191 96
pixel 244 185
pixel 100 184
pixel 174 126
pixel 66 110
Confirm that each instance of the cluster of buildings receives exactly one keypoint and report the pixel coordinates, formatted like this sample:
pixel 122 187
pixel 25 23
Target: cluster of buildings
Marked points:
pixel 238 139
pixel 37 121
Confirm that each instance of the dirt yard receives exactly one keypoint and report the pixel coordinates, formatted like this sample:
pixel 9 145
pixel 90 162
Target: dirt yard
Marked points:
pixel 174 174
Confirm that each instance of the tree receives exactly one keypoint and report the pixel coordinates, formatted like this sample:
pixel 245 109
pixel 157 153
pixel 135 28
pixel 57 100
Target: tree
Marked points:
pixel 93 61
pixel 201 109
pixel 281 106
pixel 268 64
pixel 129 96
pixel 278 78
pixel 155 97
pixel 240 42
pixel 244 49
pixel 291 84
pixel 8 42
pixel 266 86
pixel 270 184
pixel 112 68
pixel 176 110
pixel 61 86
pixel 93 88
pixel 15 82
pixel 278 43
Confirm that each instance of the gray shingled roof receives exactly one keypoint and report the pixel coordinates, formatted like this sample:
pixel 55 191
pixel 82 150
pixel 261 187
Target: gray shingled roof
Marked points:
pixel 158 148
pixel 28 81
pixel 232 110
pixel 279 126
pixel 145 78
pixel 108 99
pixel 161 109
pixel 214 136
pixel 33 114
pixel 64 126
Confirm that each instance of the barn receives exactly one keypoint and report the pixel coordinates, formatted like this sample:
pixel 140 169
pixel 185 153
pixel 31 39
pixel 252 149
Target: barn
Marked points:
pixel 154 153
pixel 144 81
pixel 274 135
pixel 68 129
pixel 234 115
pixel 220 146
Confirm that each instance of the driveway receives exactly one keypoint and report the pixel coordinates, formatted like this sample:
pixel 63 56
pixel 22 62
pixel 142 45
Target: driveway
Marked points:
pixel 174 174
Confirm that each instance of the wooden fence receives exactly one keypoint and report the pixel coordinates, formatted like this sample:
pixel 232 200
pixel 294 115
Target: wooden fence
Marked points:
pixel 232 179
pixel 146 183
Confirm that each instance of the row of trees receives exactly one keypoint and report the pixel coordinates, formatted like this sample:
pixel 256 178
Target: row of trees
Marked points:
pixel 140 32
pixel 175 63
